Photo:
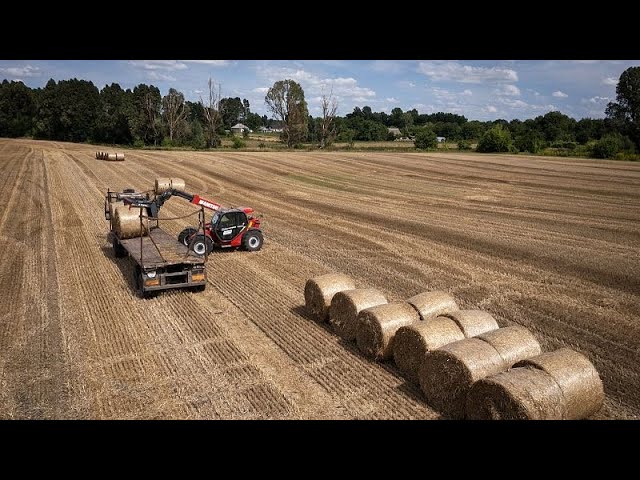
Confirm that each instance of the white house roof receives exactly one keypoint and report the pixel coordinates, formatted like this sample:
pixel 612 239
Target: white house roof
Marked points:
pixel 239 125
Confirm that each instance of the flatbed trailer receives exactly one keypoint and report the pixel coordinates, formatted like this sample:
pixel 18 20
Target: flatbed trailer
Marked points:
pixel 161 261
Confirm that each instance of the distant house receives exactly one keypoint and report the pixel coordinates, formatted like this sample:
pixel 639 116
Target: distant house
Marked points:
pixel 395 131
pixel 239 129
pixel 441 139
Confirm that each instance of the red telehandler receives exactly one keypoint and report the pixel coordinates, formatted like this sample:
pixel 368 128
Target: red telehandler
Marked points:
pixel 229 227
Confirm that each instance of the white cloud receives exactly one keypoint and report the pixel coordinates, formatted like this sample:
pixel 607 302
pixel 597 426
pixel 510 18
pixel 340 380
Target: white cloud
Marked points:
pixel 456 72
pixel 26 71
pixel 411 84
pixel 586 61
pixel 443 94
pixel 260 90
pixel 467 93
pixel 559 94
pixel 158 64
pixel 198 92
pixel 387 66
pixel 213 63
pixel 514 103
pixel 313 84
pixel 609 81
pixel 153 75
pixel 596 100
pixel 392 100
pixel 508 90
pixel 491 109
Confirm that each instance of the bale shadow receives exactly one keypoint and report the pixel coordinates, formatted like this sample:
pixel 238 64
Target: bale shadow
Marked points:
pixel 407 387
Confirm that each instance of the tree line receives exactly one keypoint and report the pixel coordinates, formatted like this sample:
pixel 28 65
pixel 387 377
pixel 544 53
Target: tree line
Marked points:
pixel 77 111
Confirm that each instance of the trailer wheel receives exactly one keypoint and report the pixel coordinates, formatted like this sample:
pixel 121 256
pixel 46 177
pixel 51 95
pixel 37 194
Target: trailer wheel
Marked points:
pixel 118 250
pixel 201 244
pixel 128 190
pixel 184 235
pixel 199 288
pixel 252 240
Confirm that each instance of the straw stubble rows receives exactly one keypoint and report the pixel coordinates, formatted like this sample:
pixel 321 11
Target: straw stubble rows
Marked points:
pixel 549 244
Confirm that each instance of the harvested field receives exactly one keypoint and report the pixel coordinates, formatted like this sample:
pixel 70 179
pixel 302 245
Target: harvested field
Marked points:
pixel 547 243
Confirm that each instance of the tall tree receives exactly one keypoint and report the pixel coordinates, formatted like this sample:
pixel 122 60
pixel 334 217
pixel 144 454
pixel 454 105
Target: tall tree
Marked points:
pixel 245 110
pixel 327 126
pixel 173 111
pixel 213 115
pixel 286 101
pixel 112 123
pixel 626 111
pixel 17 108
pixel 231 111
pixel 146 124
pixel 67 110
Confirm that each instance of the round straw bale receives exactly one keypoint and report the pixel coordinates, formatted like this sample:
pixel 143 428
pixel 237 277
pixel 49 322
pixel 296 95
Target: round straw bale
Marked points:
pixel 178 184
pixel 577 378
pixel 432 304
pixel 412 343
pixel 473 322
pixel 512 343
pixel 377 326
pixel 120 156
pixel 162 185
pixel 319 291
pixel 98 155
pixel 518 394
pixel 346 305
pixel 112 156
pixel 126 222
pixel 447 374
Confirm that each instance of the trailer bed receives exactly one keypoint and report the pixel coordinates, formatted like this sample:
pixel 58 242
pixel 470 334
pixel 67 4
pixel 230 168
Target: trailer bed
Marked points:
pixel 168 251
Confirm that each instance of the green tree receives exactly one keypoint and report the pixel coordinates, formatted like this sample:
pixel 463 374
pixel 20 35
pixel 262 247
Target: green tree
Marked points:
pixel 589 129
pixel 17 109
pixel 397 118
pixel 254 121
pixel 426 138
pixel 472 130
pixel 231 111
pixel 67 110
pixel 46 124
pixel 112 121
pixel 626 111
pixel 145 120
pixel 530 141
pixel 174 113
pixel 607 147
pixel 556 126
pixel 496 139
pixel 285 99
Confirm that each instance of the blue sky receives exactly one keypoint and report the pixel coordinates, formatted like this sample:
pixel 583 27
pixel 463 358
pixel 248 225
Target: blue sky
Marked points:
pixel 478 89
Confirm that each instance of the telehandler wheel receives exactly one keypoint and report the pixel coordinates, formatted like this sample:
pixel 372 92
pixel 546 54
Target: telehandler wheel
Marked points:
pixel 183 236
pixel 201 244
pixel 252 240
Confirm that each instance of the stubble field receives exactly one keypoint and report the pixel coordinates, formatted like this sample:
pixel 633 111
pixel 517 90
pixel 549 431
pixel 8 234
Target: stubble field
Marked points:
pixel 551 244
